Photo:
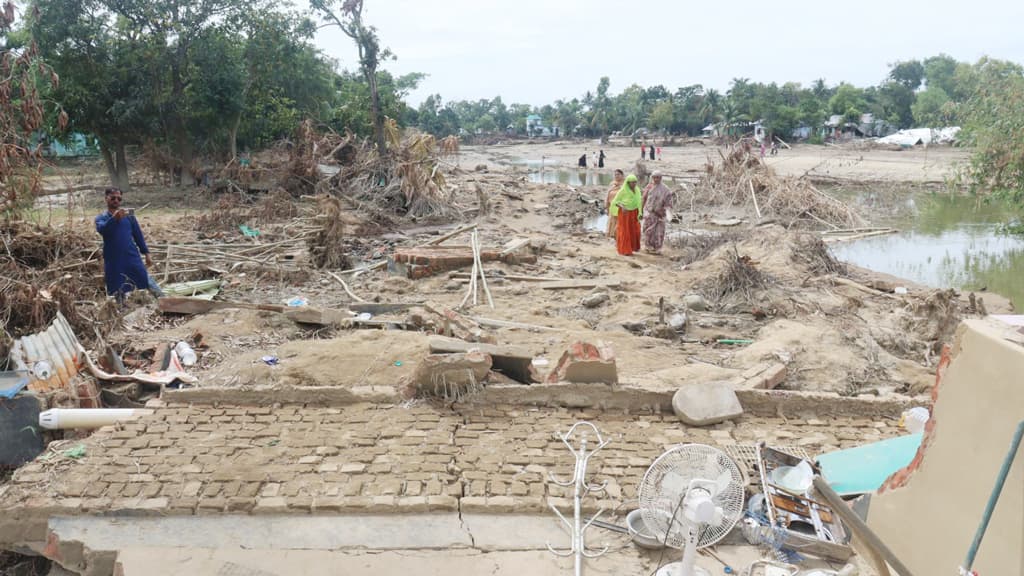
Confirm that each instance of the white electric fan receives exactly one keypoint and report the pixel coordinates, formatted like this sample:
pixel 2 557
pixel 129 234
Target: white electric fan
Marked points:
pixel 691 497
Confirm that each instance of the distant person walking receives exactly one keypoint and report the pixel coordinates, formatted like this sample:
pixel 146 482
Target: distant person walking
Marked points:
pixel 582 162
pixel 656 203
pixel 600 159
pixel 613 221
pixel 652 152
pixel 643 151
pixel 628 207
pixel 659 152
pixel 122 245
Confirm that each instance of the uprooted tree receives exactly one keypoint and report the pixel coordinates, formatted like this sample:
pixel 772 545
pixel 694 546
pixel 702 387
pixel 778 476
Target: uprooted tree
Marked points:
pixel 349 18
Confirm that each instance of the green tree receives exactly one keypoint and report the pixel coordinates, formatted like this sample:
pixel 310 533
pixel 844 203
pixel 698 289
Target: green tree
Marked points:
pixel 662 116
pixel 939 72
pixel 908 74
pixel 930 109
pixel 993 127
pixel 848 102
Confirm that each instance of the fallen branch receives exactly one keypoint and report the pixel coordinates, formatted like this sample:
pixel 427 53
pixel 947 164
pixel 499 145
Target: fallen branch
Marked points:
pixel 345 286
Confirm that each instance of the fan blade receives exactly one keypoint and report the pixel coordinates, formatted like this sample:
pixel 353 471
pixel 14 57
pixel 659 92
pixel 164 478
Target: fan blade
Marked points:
pixel 723 481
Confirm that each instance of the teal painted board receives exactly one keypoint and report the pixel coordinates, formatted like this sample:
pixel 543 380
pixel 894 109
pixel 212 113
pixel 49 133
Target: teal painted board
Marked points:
pixel 865 468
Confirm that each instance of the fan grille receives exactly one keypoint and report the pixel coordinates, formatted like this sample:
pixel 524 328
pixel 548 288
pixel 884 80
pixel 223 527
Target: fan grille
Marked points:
pixel 664 485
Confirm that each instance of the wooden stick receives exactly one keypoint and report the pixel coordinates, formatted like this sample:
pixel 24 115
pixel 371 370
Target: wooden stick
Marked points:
pixel 858 526
pixel 466 276
pixel 508 324
pixel 167 265
pixel 451 234
pixel 832 239
pixel 754 196
pixel 345 286
pixel 480 269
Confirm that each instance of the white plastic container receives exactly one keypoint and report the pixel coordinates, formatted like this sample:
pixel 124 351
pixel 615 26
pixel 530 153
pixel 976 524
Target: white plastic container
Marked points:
pixel 914 419
pixel 65 418
pixel 185 353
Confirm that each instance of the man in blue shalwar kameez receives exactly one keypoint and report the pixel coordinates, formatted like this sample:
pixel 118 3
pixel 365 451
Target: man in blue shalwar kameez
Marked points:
pixel 122 245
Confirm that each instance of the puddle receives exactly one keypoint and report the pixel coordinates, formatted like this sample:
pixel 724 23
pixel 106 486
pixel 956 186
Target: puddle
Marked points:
pixel 596 223
pixel 572 177
pixel 952 243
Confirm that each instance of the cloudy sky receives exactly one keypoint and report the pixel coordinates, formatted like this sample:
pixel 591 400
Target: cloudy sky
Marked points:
pixel 536 51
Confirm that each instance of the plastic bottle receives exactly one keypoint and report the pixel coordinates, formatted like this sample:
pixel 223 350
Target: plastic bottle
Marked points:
pixel 185 353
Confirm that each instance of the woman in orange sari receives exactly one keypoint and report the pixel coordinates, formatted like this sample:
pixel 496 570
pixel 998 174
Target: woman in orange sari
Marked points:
pixel 628 207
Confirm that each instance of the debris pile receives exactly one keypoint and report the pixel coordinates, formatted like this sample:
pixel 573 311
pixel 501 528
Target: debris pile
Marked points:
pixel 743 179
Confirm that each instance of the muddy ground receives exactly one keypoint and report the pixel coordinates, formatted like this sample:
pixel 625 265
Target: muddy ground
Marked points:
pixel 758 281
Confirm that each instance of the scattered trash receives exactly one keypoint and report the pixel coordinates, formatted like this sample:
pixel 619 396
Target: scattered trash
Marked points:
pixel 364 316
pixel 734 342
pixel 270 360
pixel 639 533
pixel 12 382
pixel 248 232
pixel 540 361
pixel 185 353
pixel 66 418
pixel 76 452
pixel 297 302
pixel 204 289
pixel 793 479
pixel 398 363
pixel 900 290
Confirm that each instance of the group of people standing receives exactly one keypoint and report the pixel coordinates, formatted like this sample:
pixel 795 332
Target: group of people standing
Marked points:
pixel 596 160
pixel 628 207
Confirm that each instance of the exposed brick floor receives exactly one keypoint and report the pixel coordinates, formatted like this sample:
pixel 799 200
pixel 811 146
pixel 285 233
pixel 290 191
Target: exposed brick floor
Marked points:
pixel 294 459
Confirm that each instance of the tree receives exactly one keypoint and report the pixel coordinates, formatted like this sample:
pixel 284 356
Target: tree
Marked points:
pixel 930 108
pixel 370 54
pixel 662 116
pixel 908 74
pixel 993 122
pixel 848 102
pixel 939 72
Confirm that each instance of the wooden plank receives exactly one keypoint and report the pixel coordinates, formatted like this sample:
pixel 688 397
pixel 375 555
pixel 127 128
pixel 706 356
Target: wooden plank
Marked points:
pixel 859 528
pixel 183 305
pixel 573 284
pixel 491 323
pixel 520 278
pixel 376 309
pixel 514 245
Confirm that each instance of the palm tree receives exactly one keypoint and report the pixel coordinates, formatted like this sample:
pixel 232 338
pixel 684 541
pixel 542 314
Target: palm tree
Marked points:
pixel 712 102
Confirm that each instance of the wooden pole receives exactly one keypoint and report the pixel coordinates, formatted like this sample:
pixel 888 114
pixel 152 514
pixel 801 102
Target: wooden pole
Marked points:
pixel 862 531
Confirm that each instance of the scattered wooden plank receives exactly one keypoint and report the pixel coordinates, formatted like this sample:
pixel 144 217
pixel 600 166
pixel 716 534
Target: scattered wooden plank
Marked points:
pixel 514 245
pixel 518 277
pixel 573 284
pixel 492 323
pixel 182 305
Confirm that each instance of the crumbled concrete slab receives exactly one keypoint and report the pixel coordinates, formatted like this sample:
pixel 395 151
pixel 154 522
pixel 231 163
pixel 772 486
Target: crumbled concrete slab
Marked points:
pixel 706 403
pixel 448 375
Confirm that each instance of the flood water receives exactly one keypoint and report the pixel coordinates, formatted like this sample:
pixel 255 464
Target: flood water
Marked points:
pixel 952 242
pixel 572 177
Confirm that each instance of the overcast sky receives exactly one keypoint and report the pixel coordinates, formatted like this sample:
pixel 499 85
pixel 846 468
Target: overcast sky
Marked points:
pixel 536 51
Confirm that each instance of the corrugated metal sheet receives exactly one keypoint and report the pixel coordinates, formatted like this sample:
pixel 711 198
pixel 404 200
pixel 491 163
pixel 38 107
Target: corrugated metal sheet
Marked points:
pixel 58 346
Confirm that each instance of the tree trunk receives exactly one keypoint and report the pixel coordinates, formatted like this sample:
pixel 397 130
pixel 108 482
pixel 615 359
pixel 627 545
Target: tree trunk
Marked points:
pixel 233 136
pixel 116 162
pixel 122 168
pixel 378 117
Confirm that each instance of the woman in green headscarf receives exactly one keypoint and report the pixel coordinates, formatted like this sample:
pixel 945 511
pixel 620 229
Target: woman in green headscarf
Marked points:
pixel 627 206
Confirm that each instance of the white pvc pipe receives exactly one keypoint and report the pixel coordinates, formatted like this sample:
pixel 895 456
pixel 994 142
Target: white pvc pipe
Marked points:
pixel 64 418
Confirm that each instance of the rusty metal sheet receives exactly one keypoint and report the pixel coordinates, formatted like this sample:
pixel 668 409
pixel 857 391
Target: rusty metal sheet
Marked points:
pixel 57 346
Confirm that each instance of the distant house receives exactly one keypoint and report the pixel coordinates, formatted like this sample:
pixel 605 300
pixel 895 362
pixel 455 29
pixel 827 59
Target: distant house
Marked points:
pixel 868 127
pixel 733 129
pixel 535 127
pixel 74 145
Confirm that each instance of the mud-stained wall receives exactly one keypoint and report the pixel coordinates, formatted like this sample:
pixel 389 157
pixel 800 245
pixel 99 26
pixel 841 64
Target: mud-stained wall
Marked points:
pixel 928 514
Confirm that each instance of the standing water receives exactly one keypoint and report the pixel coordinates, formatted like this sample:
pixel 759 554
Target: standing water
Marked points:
pixel 954 242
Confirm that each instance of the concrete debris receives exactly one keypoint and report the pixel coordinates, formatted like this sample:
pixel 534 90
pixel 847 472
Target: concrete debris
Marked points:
pixel 513 362
pixel 586 363
pixel 706 403
pixel 764 376
pixel 448 323
pixel 677 322
pixel 695 302
pixel 594 300
pixel 448 376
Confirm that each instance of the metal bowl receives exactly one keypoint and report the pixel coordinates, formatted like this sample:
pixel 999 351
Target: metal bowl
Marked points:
pixel 638 532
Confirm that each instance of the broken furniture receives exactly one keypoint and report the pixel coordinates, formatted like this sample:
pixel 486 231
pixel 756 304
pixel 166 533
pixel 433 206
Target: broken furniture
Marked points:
pixel 805 524
pixel 581 488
